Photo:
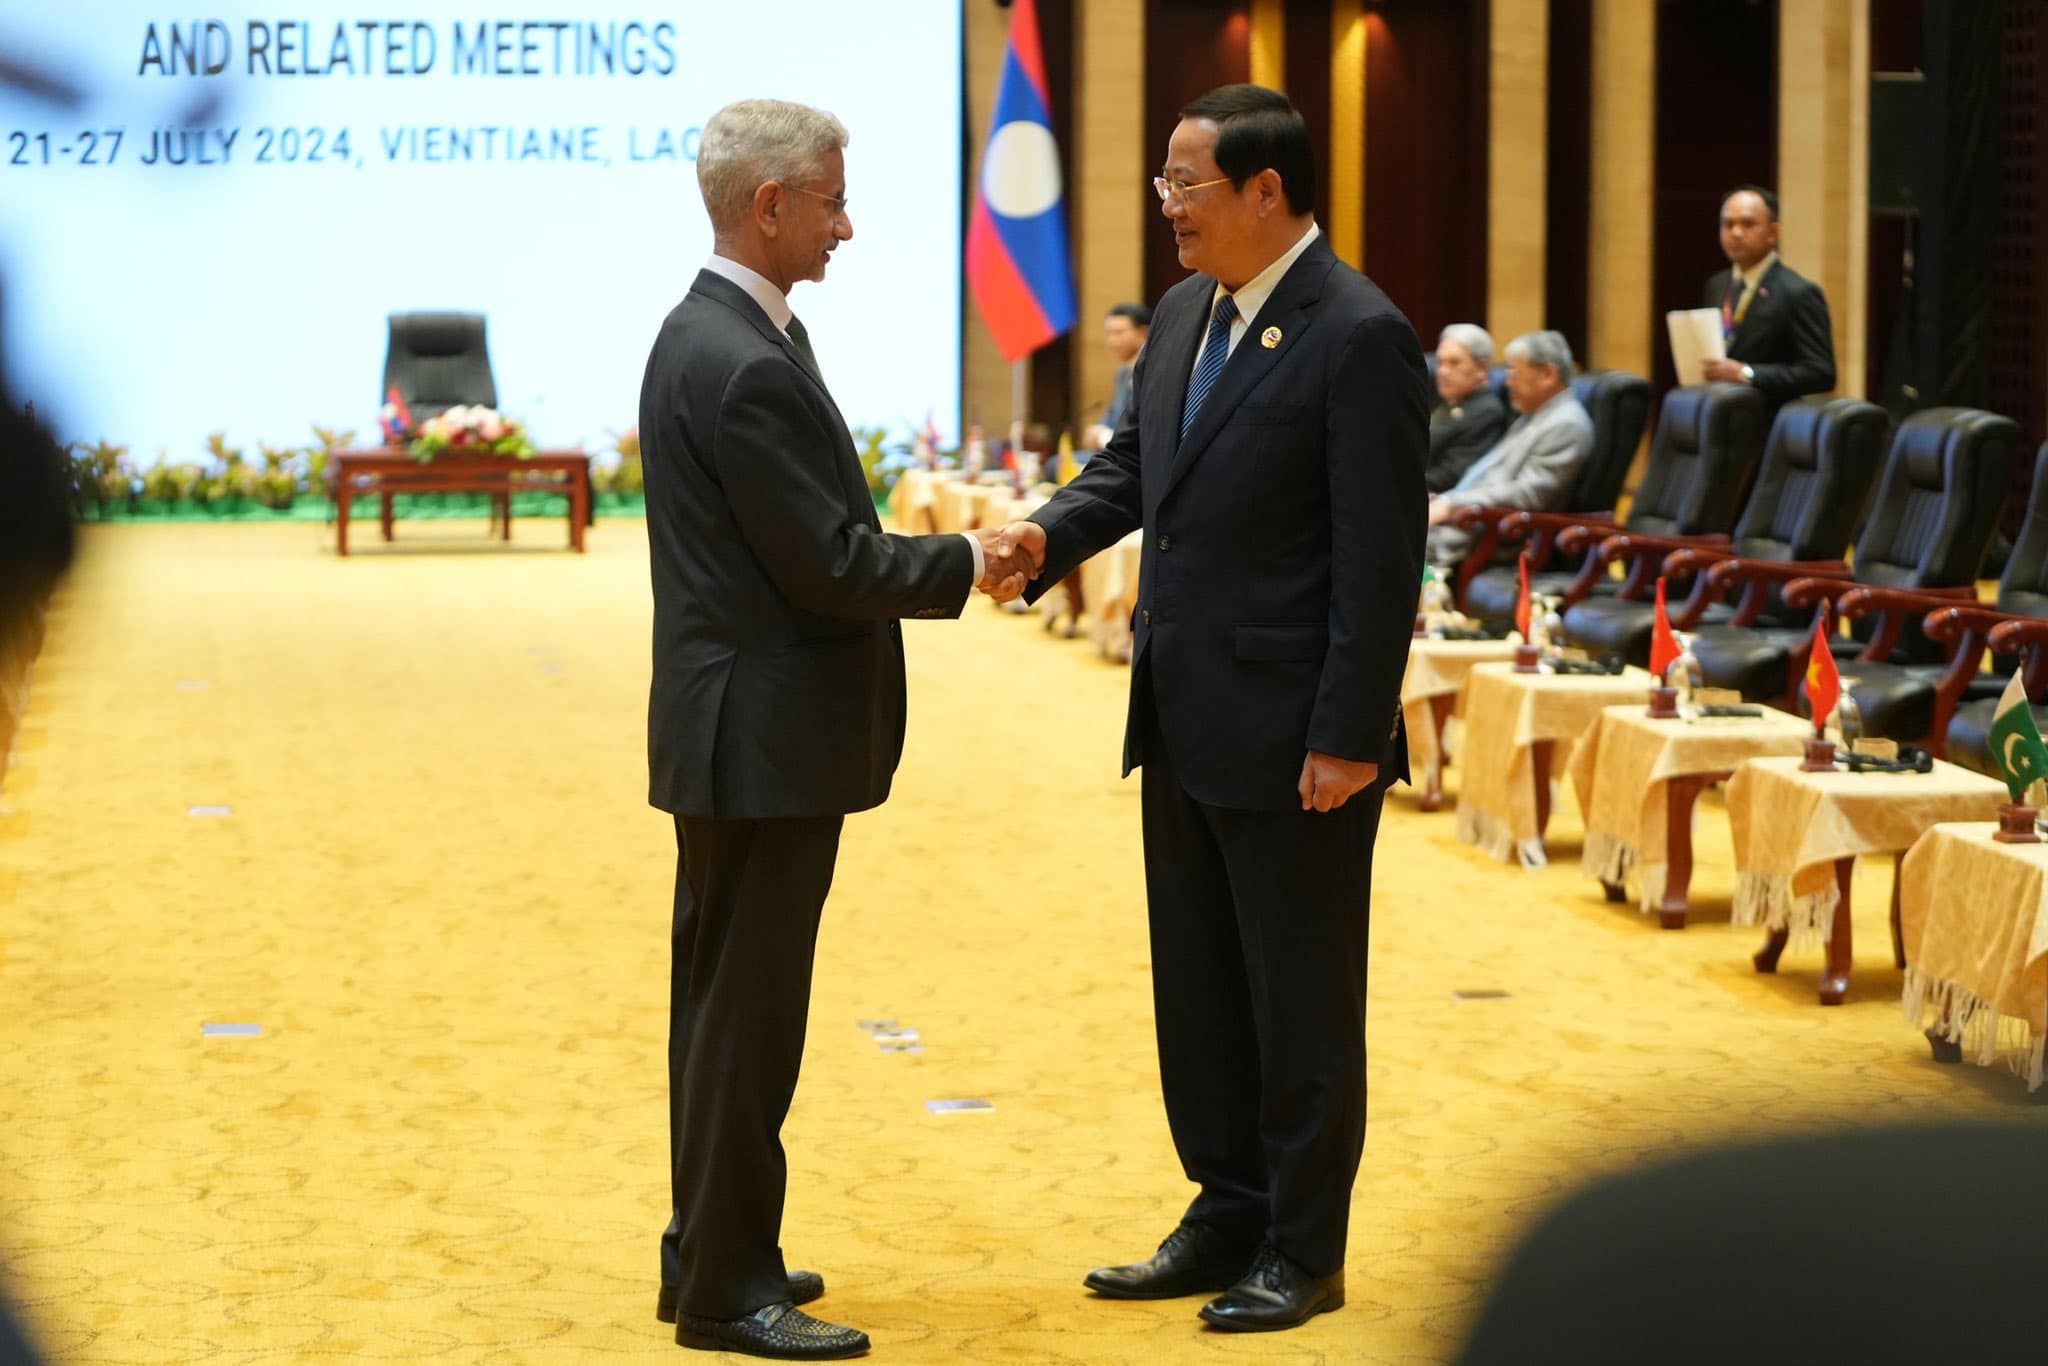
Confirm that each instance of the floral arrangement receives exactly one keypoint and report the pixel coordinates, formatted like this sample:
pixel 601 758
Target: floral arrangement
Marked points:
pixel 474 430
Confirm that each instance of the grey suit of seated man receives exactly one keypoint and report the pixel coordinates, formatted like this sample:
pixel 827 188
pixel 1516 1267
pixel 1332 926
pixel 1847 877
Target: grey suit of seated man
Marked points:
pixel 1533 465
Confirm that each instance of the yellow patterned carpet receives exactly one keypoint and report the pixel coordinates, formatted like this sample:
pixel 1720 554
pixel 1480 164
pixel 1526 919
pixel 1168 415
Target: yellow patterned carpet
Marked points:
pixel 439 892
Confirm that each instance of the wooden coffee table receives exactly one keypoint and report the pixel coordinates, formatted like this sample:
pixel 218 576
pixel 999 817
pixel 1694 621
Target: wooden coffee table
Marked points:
pixel 388 471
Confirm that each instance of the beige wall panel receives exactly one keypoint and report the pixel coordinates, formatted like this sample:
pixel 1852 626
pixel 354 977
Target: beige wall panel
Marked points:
pixel 1112 207
pixel 1823 163
pixel 1620 329
pixel 1519 61
pixel 1269 42
pixel 1347 132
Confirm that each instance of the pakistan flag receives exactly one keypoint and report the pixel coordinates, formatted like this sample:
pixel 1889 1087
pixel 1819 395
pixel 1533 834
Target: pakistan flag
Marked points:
pixel 2016 741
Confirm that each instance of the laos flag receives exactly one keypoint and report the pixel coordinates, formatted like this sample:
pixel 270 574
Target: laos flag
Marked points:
pixel 1017 262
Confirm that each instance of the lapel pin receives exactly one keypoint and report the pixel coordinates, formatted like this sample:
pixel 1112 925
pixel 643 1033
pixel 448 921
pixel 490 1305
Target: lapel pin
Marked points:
pixel 1270 338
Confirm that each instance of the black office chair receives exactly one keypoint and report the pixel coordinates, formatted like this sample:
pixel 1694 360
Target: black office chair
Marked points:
pixel 436 361
pixel 1943 485
pixel 1819 467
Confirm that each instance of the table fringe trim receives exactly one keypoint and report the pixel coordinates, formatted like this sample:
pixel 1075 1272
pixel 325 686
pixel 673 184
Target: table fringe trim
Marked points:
pixel 1766 899
pixel 1491 836
pixel 1963 1017
pixel 1614 861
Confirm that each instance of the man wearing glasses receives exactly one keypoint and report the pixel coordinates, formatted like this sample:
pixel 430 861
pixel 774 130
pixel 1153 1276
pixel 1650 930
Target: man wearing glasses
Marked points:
pixel 1276 466
pixel 777 704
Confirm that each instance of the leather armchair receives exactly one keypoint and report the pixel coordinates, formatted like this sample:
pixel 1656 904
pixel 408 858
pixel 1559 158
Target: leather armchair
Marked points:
pixel 1927 702
pixel 1943 484
pixel 436 361
pixel 1819 465
pixel 1619 404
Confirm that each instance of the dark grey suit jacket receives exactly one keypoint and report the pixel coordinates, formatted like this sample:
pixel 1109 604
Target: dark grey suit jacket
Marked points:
pixel 1459 435
pixel 1283 536
pixel 1784 336
pixel 778 664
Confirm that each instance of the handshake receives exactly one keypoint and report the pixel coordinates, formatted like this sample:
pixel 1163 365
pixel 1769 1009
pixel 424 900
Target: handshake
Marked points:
pixel 1010 558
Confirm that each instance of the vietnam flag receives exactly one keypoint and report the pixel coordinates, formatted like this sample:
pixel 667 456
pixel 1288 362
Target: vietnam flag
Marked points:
pixel 1663 645
pixel 1823 684
pixel 1522 597
pixel 1017 262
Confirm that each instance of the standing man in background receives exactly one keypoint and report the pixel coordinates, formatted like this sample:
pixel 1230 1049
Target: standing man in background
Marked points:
pixel 1123 336
pixel 777 704
pixel 1774 322
pixel 1275 462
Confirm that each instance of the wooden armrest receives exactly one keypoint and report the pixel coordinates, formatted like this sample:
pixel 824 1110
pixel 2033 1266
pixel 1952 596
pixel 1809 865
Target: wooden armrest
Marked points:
pixel 1474 515
pixel 2018 633
pixel 1727 573
pixel 1634 544
pixel 1693 559
pixel 1862 601
pixel 1951 623
pixel 1521 521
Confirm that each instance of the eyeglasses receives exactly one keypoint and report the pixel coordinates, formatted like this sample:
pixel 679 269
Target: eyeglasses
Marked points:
pixel 1174 189
pixel 838 202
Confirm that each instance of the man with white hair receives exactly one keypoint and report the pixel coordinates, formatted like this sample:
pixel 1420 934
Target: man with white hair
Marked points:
pixel 777 704
pixel 1471 417
pixel 1533 466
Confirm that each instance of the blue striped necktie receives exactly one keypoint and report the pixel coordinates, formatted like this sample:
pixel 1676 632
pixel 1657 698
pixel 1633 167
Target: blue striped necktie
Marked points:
pixel 1215 351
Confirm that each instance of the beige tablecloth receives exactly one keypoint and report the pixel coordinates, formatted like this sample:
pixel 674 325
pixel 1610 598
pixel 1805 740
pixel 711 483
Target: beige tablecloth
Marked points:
pixel 1620 769
pixel 1507 712
pixel 1974 915
pixel 917 492
pixel 960 504
pixel 1109 585
pixel 1790 827
pixel 1437 668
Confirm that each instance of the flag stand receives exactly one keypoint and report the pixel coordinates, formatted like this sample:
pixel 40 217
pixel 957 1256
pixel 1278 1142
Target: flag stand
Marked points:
pixel 1820 755
pixel 1020 397
pixel 2016 824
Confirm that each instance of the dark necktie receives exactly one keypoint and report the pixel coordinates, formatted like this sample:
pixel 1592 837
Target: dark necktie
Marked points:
pixel 801 336
pixel 1730 301
pixel 1215 351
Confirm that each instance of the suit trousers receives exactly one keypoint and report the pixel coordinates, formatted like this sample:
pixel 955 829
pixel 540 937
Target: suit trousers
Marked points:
pixel 749 894
pixel 1259 928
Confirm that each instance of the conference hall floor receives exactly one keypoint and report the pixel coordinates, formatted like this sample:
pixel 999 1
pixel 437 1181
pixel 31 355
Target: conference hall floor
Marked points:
pixel 438 889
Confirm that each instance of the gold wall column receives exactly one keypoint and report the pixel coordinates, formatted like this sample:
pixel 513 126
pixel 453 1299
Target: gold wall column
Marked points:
pixel 1517 165
pixel 1620 331
pixel 1347 132
pixel 1269 42
pixel 1824 164
pixel 1112 201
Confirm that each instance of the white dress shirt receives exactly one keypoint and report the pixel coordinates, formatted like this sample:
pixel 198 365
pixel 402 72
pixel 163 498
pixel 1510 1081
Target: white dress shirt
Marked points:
pixel 1252 296
pixel 775 304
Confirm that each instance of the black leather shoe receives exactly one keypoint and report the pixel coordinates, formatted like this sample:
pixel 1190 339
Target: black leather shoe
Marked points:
pixel 804 1286
pixel 1195 1259
pixel 1275 1293
pixel 780 1330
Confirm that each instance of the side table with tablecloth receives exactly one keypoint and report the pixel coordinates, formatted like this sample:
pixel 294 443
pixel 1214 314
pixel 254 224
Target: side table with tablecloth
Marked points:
pixel 1973 915
pixel 1513 724
pixel 1430 692
pixel 1637 778
pixel 1797 836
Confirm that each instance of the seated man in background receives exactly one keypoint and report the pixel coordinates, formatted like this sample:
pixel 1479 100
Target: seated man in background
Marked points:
pixel 1773 321
pixel 1533 466
pixel 1471 417
pixel 1123 336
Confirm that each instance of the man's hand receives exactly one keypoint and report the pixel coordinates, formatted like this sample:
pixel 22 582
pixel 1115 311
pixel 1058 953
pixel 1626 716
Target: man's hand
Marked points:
pixel 1011 558
pixel 1724 370
pixel 1327 782
pixel 1440 510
